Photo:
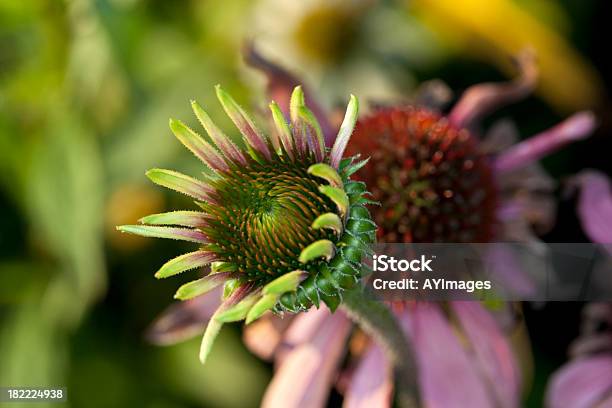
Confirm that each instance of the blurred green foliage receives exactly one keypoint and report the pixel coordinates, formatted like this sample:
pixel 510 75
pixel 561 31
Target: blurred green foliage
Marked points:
pixel 86 90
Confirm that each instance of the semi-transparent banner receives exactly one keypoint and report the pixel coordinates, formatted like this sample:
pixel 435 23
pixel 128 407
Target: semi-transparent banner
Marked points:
pixel 495 271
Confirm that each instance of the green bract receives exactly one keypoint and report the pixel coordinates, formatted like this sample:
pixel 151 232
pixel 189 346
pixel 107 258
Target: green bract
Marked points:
pixel 280 223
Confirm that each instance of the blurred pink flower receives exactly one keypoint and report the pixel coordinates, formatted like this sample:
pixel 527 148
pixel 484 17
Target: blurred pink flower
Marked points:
pixel 586 381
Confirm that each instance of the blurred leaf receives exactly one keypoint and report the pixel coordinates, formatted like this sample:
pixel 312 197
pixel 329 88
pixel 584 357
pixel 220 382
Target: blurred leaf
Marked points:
pixel 65 202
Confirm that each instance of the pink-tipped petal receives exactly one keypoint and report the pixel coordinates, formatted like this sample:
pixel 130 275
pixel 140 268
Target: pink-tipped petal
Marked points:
pixel 186 262
pixel 202 286
pixel 183 320
pixel 283 130
pixel 345 132
pixel 492 351
pixel 281 85
pixel 595 205
pixel 301 137
pixel 214 326
pixel 181 234
pixel 481 99
pixel 582 383
pixel 577 127
pixel 244 123
pixel 447 375
pixel 223 142
pixel 305 376
pixel 314 134
pixel 183 184
pixel 372 383
pixel 198 146
pixel 194 219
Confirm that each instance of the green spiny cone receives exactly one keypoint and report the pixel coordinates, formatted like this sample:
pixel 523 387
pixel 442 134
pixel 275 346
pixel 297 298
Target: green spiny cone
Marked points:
pixel 281 223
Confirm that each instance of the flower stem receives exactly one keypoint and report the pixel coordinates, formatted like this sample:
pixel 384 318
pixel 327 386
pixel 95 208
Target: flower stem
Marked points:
pixel 378 321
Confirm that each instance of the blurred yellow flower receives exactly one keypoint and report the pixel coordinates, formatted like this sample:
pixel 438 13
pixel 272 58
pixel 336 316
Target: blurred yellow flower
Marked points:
pixel 494 29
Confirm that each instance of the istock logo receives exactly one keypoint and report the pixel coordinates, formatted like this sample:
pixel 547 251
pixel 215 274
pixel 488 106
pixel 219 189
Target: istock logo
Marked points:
pixel 383 263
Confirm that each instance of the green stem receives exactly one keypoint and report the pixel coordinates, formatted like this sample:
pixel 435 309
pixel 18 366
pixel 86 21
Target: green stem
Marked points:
pixel 378 321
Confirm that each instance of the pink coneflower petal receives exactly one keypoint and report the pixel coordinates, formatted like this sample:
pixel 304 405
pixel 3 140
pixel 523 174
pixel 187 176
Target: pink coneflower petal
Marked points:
pixel 244 123
pixel 582 383
pixel 214 326
pixel 492 351
pixel 186 262
pixel 181 234
pixel 281 85
pixel 183 320
pixel 201 286
pixel 592 344
pixel 303 328
pixel 345 132
pixel 482 99
pixel 577 127
pixel 283 130
pixel 223 142
pixel 263 336
pixel 314 133
pixel 183 184
pixel 447 375
pixel 305 376
pixel 372 383
pixel 508 271
pixel 595 205
pixel 198 146
pixel 192 219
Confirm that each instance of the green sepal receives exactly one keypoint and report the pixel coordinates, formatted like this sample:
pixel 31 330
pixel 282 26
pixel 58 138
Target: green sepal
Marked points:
pixel 285 283
pixel 355 188
pixel 239 310
pixel 365 201
pixel 201 286
pixel 358 212
pixel 290 302
pixel 210 334
pixel 361 226
pixel 326 172
pixel 321 248
pixel 230 286
pixel 330 221
pixel 332 301
pixel 352 168
pixel 265 303
pixel 217 267
pixel 338 196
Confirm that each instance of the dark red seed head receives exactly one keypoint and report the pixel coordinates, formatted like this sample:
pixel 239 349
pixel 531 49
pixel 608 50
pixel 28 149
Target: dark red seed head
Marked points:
pixel 431 181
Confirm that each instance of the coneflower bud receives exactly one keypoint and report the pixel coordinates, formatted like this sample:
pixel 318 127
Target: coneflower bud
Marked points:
pixel 280 223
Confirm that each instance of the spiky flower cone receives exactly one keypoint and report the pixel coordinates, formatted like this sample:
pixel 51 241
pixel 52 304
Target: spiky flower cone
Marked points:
pixel 281 224
pixel 429 176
